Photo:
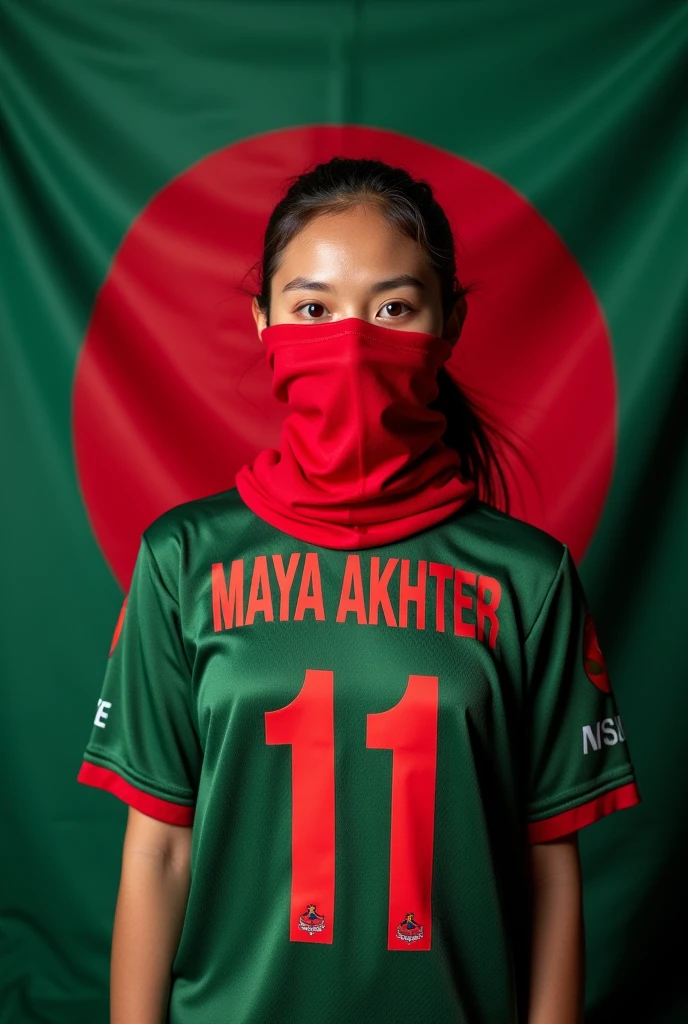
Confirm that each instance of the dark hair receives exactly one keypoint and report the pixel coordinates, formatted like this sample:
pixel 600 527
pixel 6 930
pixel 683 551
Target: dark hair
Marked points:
pixel 410 205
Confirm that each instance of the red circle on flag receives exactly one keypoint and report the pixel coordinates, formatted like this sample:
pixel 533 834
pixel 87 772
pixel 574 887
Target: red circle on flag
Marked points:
pixel 172 391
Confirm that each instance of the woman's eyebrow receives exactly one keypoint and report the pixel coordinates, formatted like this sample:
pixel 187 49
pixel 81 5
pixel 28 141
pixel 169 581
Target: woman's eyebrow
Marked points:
pixel 303 284
pixel 398 282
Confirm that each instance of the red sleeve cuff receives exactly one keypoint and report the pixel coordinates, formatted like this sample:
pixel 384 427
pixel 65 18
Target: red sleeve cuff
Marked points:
pixel 570 821
pixel 154 806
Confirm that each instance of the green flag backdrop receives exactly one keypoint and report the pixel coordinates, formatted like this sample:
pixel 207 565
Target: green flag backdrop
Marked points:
pixel 144 143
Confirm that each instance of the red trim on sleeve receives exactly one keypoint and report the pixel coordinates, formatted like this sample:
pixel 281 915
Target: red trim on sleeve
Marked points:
pixel 154 806
pixel 570 821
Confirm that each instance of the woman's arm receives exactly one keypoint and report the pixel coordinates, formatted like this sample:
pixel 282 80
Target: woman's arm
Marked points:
pixel 151 904
pixel 558 949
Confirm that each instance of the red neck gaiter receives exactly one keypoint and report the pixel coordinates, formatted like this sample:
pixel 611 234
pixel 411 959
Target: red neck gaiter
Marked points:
pixel 361 460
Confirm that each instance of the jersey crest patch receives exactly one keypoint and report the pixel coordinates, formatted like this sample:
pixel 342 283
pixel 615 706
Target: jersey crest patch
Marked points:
pixel 312 921
pixel 593 659
pixel 409 930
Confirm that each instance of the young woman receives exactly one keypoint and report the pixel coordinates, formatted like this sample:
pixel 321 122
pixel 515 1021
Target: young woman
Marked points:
pixel 358 712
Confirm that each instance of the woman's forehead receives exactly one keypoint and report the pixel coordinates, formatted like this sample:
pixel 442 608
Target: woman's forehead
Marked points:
pixel 356 241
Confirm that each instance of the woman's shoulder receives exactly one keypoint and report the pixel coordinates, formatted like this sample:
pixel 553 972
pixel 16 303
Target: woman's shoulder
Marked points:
pixel 524 558
pixel 507 529
pixel 503 539
pixel 222 513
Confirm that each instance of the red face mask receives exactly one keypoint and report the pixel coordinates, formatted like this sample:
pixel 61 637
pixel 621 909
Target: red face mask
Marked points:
pixel 361 460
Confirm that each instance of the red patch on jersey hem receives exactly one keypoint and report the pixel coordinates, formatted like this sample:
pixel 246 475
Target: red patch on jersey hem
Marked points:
pixel 155 807
pixel 570 821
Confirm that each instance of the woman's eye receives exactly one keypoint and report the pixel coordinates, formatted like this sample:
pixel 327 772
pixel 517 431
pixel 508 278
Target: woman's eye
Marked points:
pixel 312 310
pixel 393 309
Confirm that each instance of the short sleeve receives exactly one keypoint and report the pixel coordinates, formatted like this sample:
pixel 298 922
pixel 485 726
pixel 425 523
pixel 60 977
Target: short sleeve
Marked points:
pixel 579 764
pixel 144 745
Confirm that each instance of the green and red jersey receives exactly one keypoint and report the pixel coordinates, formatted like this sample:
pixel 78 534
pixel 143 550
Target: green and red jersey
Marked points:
pixel 364 742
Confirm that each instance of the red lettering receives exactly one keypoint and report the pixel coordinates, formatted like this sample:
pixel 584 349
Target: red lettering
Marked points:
pixel 415 593
pixel 285 580
pixel 228 601
pixel 349 602
pixel 259 598
pixel 314 599
pixel 488 609
pixel 379 597
pixel 443 573
pixel 461 600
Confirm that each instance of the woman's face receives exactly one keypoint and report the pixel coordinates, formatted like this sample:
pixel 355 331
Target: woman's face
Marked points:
pixel 356 264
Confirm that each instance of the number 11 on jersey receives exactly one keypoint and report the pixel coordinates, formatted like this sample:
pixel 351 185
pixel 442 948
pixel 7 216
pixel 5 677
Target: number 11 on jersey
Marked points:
pixel 409 729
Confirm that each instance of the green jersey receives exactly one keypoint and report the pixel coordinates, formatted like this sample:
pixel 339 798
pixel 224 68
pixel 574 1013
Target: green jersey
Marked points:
pixel 364 742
